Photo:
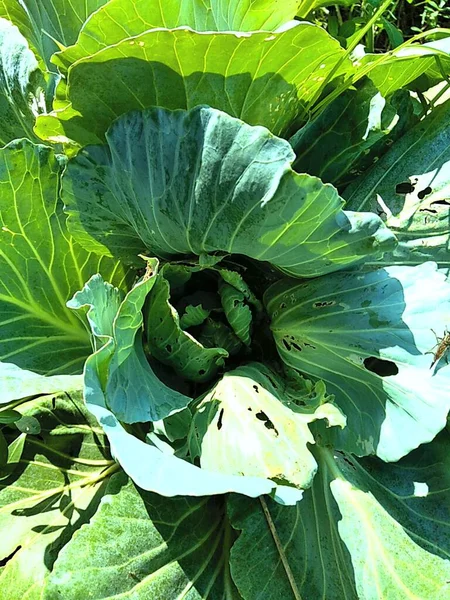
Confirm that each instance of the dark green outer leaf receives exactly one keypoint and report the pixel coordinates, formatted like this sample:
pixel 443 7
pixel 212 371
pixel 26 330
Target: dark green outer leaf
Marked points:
pixel 419 210
pixel 41 266
pixel 216 184
pixel 350 133
pixel 163 548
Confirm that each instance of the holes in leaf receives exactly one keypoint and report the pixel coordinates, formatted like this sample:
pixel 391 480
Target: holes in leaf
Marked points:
pixel 424 192
pixel 169 348
pixel 283 305
pixel 383 368
pixel 249 409
pixel 322 304
pixel 287 345
pixel 405 187
pixel 256 388
pixel 296 346
pixel 201 372
pixel 8 558
pixel 219 421
pixel 261 416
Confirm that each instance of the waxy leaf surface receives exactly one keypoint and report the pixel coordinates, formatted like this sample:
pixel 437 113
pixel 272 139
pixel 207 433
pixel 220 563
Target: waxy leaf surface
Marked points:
pixel 370 337
pixel 198 182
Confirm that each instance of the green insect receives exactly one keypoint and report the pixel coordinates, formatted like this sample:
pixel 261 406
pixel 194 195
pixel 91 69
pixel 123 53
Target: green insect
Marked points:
pixel 442 345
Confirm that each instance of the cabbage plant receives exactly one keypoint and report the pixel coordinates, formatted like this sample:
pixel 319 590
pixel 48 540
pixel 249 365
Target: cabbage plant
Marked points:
pixel 223 286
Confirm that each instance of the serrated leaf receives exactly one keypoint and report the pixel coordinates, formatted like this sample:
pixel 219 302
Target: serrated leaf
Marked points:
pixel 193 315
pixel 237 312
pixel 242 198
pixel 368 336
pixel 41 266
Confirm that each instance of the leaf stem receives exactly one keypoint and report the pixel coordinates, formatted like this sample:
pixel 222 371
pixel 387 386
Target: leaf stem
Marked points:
pixel 280 549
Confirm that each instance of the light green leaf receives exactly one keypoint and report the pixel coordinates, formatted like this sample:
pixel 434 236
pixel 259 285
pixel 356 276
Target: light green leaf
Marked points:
pixel 237 312
pixel 411 185
pixel 171 345
pixel 22 85
pixel 265 79
pixel 41 266
pixel 242 427
pixel 240 198
pixel 350 133
pixel 193 315
pixel 360 532
pixel 172 547
pixel 152 469
pixel 120 19
pixel 50 494
pixel 17 383
pixel 368 336
pixel 174 347
pixel 132 390
pixel 215 334
pixel 49 25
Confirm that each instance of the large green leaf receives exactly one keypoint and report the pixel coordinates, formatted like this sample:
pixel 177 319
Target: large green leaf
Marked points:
pixel 243 427
pixel 216 184
pixel 351 133
pixel 55 488
pixel 21 85
pixel 132 390
pixel 364 530
pixel 121 19
pixel 49 25
pixel 171 548
pixel 411 185
pixel 368 336
pixel 41 266
pixel 265 79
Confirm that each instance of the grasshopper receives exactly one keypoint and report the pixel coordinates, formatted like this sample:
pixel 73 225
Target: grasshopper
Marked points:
pixel 442 345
